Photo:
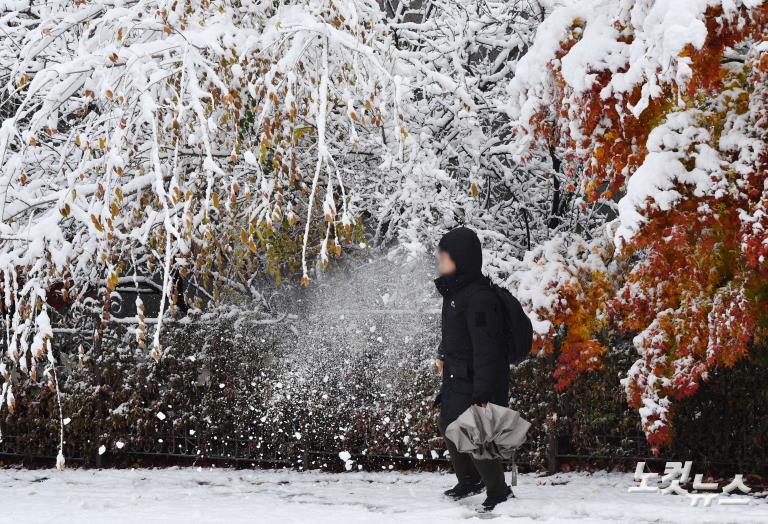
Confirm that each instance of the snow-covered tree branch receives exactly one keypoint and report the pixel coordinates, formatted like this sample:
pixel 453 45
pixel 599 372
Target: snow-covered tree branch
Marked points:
pixel 180 140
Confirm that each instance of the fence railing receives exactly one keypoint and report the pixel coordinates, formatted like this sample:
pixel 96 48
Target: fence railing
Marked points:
pixel 182 448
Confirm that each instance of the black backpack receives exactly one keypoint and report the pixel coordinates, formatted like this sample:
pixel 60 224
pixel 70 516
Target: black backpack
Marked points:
pixel 518 329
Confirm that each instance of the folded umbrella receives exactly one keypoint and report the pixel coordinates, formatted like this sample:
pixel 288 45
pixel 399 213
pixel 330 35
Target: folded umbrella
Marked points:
pixel 488 432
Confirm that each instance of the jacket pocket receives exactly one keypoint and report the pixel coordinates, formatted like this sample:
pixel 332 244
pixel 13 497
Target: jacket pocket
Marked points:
pixel 457 376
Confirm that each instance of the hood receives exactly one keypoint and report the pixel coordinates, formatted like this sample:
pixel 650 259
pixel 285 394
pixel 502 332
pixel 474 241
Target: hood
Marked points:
pixel 464 248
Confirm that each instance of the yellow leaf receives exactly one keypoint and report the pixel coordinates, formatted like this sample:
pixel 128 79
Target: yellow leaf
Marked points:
pixel 215 200
pixel 474 190
pixel 96 223
pixel 298 132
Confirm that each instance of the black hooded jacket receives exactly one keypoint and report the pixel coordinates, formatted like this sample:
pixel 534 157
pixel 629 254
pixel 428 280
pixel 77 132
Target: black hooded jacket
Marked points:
pixel 475 367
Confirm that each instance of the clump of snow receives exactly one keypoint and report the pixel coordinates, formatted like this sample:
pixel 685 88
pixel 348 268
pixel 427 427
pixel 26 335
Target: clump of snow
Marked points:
pixel 346 457
pixel 679 139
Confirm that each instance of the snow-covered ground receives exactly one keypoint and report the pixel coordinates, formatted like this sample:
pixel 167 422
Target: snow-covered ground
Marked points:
pixel 190 495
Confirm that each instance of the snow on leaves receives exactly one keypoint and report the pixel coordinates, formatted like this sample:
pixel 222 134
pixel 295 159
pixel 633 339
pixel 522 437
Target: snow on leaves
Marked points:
pixel 564 285
pixel 664 104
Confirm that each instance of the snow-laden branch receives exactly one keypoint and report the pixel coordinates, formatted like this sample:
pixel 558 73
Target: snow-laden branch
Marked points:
pixel 172 141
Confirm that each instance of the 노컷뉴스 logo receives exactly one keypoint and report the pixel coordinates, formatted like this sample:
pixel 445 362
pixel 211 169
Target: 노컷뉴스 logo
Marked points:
pixel 704 493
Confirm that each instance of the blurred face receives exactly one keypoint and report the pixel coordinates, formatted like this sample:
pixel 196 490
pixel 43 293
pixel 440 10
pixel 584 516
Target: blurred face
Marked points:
pixel 444 263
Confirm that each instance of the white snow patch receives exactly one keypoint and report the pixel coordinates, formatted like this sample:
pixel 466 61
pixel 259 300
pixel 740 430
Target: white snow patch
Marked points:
pixel 182 495
pixel 347 459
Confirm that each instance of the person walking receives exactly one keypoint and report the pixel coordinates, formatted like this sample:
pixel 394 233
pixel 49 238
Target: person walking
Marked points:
pixel 472 358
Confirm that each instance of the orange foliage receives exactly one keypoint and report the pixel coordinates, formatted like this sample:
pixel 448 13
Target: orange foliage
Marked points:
pixel 575 273
pixel 694 279
pixel 579 351
pixel 698 297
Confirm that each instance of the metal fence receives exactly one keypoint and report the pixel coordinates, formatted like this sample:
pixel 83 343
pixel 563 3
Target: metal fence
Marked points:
pixel 182 448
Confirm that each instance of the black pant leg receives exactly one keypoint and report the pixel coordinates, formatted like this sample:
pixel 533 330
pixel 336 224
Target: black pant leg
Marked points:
pixel 469 470
pixel 463 464
pixel 492 473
